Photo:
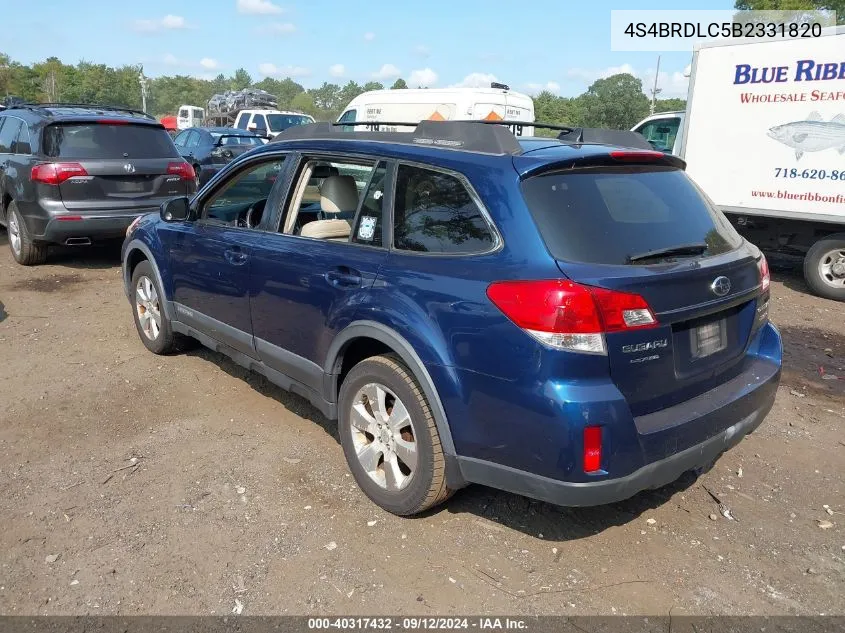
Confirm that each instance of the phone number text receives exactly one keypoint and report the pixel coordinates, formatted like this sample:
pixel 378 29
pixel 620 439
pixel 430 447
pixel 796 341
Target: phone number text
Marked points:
pixel 810 174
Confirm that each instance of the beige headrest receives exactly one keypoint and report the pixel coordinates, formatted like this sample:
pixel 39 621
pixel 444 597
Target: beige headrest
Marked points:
pixel 338 194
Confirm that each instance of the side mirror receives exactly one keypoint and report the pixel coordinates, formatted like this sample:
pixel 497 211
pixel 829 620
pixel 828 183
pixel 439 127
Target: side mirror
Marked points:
pixel 260 131
pixel 175 210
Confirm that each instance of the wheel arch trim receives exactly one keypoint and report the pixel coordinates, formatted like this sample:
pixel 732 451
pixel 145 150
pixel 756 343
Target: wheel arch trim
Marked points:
pixel 409 356
pixel 138 245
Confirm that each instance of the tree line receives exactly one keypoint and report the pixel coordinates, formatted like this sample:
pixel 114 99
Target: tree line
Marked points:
pixel 616 101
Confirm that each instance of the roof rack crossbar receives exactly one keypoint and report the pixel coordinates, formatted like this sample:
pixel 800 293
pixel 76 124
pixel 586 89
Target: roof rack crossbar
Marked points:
pixel 90 106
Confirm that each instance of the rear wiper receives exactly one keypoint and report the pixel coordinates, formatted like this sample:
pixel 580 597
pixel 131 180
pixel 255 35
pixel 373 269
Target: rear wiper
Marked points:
pixel 681 249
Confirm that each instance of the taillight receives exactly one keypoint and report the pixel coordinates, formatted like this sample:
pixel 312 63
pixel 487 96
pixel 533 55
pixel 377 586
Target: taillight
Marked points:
pixel 182 169
pixel 56 173
pixel 765 277
pixel 592 449
pixel 569 316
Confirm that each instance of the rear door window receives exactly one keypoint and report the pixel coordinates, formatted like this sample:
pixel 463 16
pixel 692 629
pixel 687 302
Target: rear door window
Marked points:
pixel 605 215
pixel 9 133
pixel 435 213
pixel 101 140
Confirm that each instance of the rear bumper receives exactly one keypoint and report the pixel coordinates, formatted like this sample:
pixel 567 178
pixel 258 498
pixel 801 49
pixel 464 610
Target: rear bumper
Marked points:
pixel 654 475
pixel 719 419
pixel 102 225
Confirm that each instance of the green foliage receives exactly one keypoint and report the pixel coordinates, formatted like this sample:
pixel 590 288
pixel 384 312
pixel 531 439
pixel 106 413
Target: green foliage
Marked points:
pixel 670 105
pixel 791 5
pixel 399 84
pixel 616 102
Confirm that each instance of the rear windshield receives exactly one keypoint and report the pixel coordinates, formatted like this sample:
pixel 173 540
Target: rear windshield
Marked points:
pixel 279 122
pixel 605 215
pixel 231 139
pixel 100 140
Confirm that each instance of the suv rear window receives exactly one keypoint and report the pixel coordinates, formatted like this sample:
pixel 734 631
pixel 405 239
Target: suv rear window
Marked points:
pixel 99 140
pixel 604 215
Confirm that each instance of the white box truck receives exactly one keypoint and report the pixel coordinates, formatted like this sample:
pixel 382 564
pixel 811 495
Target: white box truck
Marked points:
pixel 764 136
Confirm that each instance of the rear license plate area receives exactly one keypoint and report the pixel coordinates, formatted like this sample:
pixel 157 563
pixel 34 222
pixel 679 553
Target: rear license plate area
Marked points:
pixel 708 338
pixel 130 187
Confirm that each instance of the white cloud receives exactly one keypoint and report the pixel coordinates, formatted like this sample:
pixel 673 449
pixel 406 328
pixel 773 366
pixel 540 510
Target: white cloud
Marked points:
pixel 424 77
pixel 388 71
pixel 258 7
pixel 476 80
pixel 671 84
pixel 337 70
pixel 422 50
pixel 277 28
pixel 168 22
pixel 550 86
pixel 171 60
pixel 209 64
pixel 369 36
pixel 271 70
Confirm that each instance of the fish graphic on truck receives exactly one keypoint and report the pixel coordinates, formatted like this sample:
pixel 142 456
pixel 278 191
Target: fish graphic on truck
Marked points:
pixel 812 134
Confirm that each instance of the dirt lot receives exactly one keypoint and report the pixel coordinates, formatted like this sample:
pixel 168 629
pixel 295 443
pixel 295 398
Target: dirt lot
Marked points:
pixel 239 494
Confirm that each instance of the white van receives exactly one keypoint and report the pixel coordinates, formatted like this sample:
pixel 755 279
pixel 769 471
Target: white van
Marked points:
pixel 769 150
pixel 189 116
pixel 270 122
pixel 497 103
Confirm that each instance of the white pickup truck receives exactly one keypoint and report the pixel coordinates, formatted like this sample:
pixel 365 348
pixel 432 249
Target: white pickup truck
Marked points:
pixel 764 136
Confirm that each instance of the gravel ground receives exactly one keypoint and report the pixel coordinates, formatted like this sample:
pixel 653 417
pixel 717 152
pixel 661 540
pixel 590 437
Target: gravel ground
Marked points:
pixel 135 484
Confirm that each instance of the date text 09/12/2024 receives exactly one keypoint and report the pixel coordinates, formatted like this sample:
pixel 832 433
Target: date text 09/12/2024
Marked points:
pixel 417 623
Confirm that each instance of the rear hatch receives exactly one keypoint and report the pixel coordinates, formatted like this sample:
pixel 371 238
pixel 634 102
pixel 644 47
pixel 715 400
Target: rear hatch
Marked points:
pixel 114 165
pixel 647 230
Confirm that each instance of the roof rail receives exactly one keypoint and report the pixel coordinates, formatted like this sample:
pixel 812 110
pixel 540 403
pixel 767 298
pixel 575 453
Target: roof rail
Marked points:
pixel 582 135
pixel 457 135
pixel 486 137
pixel 89 106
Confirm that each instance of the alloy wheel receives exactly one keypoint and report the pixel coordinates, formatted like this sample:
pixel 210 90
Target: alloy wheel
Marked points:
pixel 148 307
pixel 383 437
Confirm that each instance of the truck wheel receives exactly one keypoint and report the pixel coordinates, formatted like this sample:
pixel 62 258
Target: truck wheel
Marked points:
pixel 389 437
pixel 824 267
pixel 24 250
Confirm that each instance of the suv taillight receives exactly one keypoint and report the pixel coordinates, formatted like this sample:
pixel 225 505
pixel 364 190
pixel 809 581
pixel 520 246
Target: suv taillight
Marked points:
pixel 765 277
pixel 569 316
pixel 56 173
pixel 182 169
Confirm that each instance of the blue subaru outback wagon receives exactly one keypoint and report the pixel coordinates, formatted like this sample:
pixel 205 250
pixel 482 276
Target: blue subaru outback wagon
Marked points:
pixel 568 320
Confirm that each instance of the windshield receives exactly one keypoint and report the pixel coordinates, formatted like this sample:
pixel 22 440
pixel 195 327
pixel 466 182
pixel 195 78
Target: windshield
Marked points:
pixel 279 122
pixel 606 215
pixel 101 140
pixel 235 140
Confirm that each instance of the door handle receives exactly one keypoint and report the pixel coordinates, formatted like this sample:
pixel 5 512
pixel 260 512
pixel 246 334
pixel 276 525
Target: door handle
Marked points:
pixel 343 277
pixel 235 256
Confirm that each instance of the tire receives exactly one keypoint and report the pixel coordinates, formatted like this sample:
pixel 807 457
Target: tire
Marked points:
pixel 402 491
pixel 156 333
pixel 24 250
pixel 824 267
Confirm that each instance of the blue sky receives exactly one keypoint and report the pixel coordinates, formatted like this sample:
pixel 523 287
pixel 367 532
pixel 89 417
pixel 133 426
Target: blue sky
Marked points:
pixel 560 45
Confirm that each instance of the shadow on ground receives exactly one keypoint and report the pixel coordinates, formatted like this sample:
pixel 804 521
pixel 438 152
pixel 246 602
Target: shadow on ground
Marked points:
pixel 508 510
pixel 94 257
